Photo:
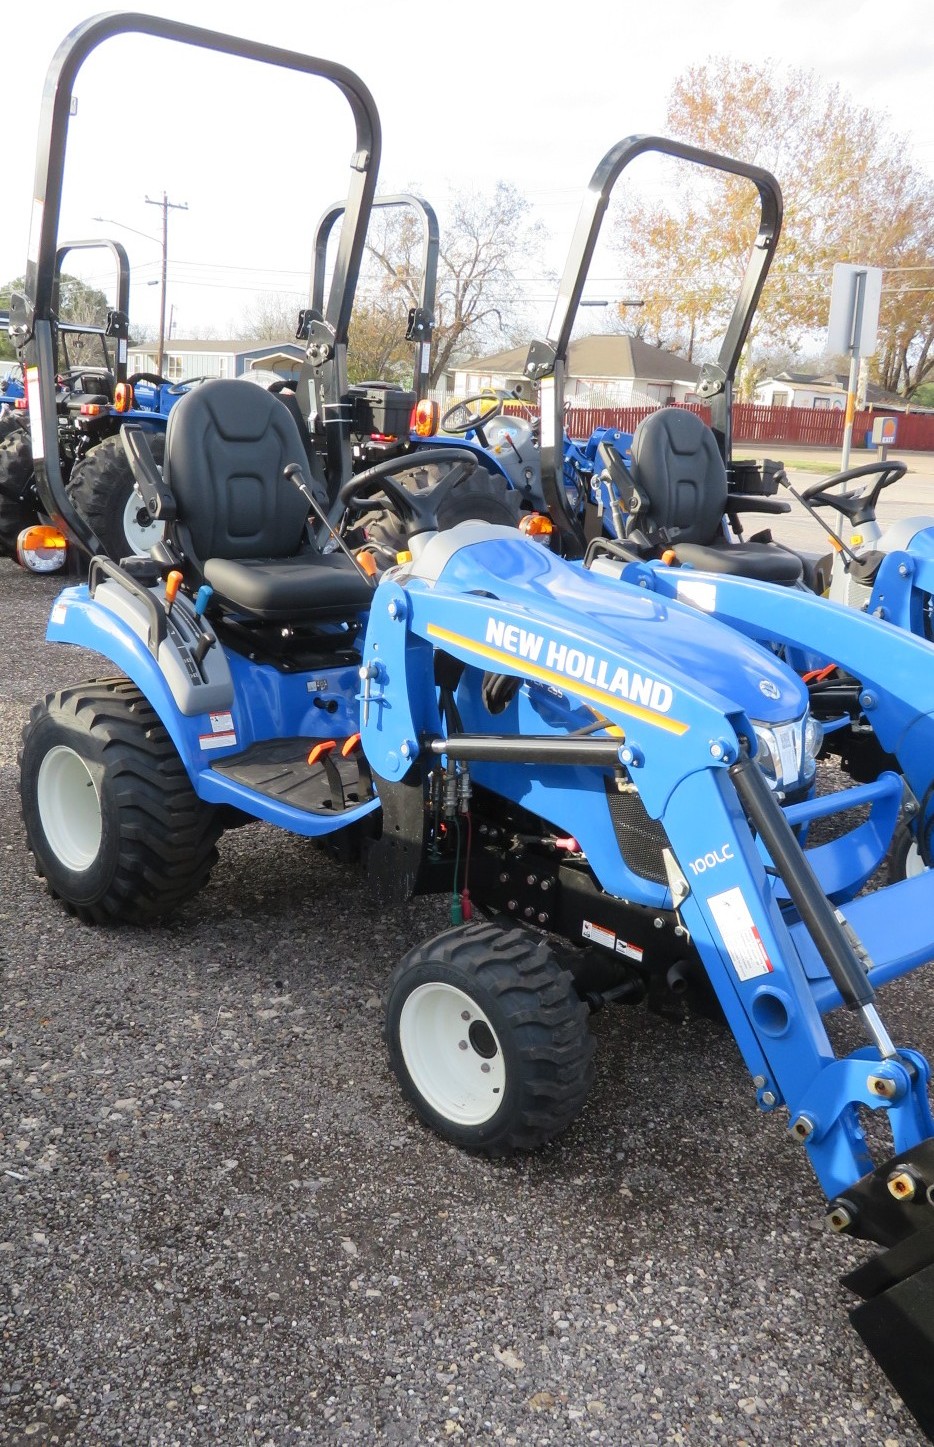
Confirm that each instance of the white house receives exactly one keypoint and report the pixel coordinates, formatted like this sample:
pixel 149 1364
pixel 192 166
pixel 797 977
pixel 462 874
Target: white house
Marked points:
pixel 802 389
pixel 603 371
pixel 200 358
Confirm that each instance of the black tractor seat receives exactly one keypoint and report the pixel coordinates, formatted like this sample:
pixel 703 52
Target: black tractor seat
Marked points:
pixel 679 496
pixel 289 589
pixel 241 525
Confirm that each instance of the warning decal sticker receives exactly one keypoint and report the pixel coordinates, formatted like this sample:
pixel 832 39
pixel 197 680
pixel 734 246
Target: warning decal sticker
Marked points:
pixel 742 939
pixel 222 734
pixel 598 935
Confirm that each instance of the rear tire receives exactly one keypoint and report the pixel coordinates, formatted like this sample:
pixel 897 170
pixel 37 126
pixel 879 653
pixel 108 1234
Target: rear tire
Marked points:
pixel 113 823
pixel 481 495
pixel 11 422
pixel 104 492
pixel 18 508
pixel 488 1038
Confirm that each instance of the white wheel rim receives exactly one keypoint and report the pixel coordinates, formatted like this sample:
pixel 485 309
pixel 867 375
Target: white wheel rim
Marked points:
pixel 452 1054
pixel 914 864
pixel 69 808
pixel 139 529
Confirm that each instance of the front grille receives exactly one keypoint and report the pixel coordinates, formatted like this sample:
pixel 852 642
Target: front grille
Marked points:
pixel 641 839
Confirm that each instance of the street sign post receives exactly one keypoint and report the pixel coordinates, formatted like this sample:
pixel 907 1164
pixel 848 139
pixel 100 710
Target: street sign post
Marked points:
pixel 853 328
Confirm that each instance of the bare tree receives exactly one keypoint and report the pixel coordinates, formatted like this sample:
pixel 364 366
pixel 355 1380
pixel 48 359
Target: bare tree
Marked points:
pixel 486 240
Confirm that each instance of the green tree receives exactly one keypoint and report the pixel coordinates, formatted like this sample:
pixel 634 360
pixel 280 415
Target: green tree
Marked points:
pixel 78 303
pixel 850 194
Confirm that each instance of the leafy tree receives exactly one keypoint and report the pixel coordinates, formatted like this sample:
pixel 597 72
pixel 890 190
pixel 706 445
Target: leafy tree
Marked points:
pixel 78 303
pixel 849 194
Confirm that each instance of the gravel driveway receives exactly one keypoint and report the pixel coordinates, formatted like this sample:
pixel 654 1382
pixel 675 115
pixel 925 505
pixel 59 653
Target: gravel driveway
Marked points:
pixel 222 1224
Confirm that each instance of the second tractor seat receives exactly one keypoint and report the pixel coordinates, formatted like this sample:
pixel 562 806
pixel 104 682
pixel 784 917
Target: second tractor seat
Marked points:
pixel 241 524
pixel 680 479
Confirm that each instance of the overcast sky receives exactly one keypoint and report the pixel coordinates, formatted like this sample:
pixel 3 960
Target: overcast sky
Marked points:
pixel 467 94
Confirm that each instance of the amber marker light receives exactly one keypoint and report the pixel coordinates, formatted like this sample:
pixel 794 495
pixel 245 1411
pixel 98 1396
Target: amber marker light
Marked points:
pixel 425 418
pixel 41 549
pixel 536 525
pixel 123 397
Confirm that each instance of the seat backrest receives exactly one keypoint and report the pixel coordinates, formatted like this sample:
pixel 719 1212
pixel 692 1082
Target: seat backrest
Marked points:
pixel 677 466
pixel 226 449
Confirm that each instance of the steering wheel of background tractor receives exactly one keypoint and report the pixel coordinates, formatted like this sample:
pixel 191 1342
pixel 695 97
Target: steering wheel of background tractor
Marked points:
pixel 470 415
pixel 178 387
pixel 864 500
pixel 418 511
pixel 152 377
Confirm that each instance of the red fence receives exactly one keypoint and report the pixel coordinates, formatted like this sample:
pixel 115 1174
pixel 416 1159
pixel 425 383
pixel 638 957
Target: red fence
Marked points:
pixel 799 426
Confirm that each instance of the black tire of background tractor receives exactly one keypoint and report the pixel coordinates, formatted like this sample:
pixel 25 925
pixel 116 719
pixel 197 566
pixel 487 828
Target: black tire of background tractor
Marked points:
pixel 156 839
pixel 485 497
pixel 101 486
pixel 904 858
pixel 18 508
pixel 11 422
pixel 540 1026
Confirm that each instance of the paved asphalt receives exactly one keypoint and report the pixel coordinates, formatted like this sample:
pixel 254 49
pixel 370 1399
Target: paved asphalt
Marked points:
pixel 220 1222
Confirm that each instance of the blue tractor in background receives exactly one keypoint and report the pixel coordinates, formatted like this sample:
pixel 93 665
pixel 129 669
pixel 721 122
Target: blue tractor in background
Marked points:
pixel 94 398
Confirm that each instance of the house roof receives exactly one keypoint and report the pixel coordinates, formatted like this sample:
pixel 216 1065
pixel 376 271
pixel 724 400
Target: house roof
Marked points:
pixel 599 356
pixel 832 384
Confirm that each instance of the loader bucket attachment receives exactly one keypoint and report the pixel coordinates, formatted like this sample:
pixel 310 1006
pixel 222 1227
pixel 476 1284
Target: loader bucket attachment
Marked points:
pixel 896 1321
pixel 894 1206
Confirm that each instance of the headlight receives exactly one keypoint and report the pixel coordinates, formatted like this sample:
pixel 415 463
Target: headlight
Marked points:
pixel 788 752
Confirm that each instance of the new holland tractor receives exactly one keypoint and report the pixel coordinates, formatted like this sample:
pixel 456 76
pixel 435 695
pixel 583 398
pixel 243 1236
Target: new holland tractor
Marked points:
pixel 668 506
pixel 614 788
pixel 94 398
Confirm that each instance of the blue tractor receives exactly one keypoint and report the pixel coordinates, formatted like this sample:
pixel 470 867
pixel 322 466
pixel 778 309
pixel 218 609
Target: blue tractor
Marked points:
pixel 94 397
pixel 613 788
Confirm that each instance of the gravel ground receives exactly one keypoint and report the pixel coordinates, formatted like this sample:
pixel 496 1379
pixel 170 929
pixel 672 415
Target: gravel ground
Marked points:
pixel 221 1223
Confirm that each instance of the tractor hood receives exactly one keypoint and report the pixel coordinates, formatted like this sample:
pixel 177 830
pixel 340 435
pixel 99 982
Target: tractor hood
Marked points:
pixel 672 641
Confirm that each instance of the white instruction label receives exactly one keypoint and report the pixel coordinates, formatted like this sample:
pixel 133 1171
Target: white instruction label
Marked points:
pixel 699 595
pixel 742 939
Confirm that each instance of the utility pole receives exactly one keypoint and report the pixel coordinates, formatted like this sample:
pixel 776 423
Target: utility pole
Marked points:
pixel 165 203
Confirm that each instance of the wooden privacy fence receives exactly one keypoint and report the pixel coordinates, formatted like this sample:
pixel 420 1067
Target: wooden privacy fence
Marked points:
pixel 801 426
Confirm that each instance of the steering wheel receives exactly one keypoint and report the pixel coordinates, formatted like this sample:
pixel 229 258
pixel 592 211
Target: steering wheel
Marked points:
pixel 152 377
pixel 417 511
pixel 859 505
pixel 460 419
pixel 179 387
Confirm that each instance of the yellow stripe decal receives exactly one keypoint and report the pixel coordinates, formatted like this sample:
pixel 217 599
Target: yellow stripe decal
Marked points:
pixel 561 680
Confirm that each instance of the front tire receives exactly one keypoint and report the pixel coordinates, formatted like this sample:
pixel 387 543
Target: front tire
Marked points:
pixel 115 828
pixel 488 1038
pixel 905 859
pixel 103 490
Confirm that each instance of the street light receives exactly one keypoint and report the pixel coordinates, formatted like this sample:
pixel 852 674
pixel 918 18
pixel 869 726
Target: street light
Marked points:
pixel 165 203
